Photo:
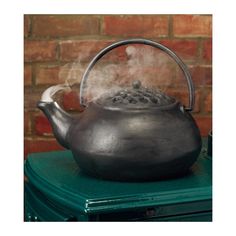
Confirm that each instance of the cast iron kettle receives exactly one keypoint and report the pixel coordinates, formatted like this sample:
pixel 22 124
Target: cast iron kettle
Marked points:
pixel 136 134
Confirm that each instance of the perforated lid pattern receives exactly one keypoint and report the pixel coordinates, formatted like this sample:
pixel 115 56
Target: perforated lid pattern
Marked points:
pixel 137 96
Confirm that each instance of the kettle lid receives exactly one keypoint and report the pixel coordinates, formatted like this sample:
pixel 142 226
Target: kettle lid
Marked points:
pixel 136 96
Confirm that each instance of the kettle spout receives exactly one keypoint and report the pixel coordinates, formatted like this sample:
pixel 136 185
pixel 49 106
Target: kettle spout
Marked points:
pixel 59 120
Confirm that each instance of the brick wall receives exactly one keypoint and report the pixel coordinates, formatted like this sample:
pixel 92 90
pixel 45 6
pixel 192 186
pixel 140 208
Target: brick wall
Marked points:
pixel 52 41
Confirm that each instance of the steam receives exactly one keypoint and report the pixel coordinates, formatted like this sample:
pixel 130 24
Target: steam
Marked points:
pixel 152 66
pixel 149 65
pixel 70 73
pixel 48 94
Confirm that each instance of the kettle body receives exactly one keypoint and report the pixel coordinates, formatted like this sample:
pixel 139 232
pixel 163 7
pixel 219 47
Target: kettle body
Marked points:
pixel 135 146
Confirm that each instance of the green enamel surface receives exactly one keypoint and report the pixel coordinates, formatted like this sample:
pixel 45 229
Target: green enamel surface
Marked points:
pixel 57 175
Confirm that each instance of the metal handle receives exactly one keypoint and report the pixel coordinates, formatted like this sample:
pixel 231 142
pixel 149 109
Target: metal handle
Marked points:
pixel 182 66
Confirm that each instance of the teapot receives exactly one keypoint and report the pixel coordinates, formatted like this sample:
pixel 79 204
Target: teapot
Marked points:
pixel 135 134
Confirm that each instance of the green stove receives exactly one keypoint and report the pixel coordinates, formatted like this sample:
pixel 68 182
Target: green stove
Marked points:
pixel 57 190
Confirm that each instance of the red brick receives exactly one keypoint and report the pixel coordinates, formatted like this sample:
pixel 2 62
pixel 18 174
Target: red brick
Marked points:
pixel 26 25
pixel 71 101
pixel 42 125
pixel 200 75
pixel 159 77
pixel 136 25
pixel 40 145
pixel 31 98
pixel 207 50
pixel 208 102
pixel 61 25
pixel 27 75
pixel 142 52
pixel 48 74
pixel 208 75
pixel 84 51
pixel 54 74
pixel 197 73
pixel 204 123
pixel 40 50
pixel 183 97
pixel 192 25
pixel 81 50
pixel 27 123
pixel 187 50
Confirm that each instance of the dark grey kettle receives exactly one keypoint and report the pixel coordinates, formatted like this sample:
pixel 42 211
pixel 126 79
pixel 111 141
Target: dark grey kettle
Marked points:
pixel 135 134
